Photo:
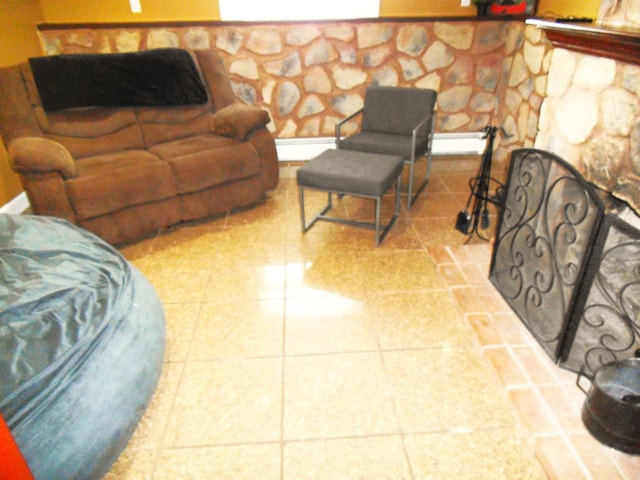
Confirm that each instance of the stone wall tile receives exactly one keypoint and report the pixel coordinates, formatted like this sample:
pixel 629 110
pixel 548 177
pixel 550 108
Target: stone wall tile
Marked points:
pixel 453 122
pixel 162 39
pixel 376 56
pixel 245 67
pixel 289 130
pixel 320 52
pixel 634 147
pixel 431 81
pixel 344 33
pixel 532 124
pixel 489 37
pixel 80 38
pixel 454 99
pixel 631 78
pixel 514 39
pixel 594 73
pixel 197 39
pixel 438 55
pixel 576 114
pixel 265 42
pixel 267 90
pixel 457 35
pixel 310 128
pixel 411 69
pixel 329 126
pixel 533 55
pixel 540 85
pixel 290 66
pixel 519 71
pixel 229 41
pixel 478 122
pixel 386 77
pixel 52 46
pixel 483 102
pixel 513 99
pixel 128 42
pixel 348 55
pixel 370 35
pixel 523 121
pixel 488 71
pixel 533 34
pixel 620 110
pixel 303 35
pixel 104 45
pixel 563 64
pixel 346 104
pixel 411 39
pixel 347 77
pixel 316 80
pixel 287 98
pixel 245 92
pixel 311 105
pixel 461 72
pixel 526 87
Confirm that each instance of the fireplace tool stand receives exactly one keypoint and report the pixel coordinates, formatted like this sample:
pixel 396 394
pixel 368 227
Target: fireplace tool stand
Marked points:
pixel 470 221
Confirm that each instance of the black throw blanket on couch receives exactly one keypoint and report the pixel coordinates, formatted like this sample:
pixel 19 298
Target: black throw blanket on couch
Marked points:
pixel 160 77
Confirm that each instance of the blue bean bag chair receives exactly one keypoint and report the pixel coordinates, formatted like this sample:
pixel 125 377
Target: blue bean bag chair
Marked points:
pixel 82 338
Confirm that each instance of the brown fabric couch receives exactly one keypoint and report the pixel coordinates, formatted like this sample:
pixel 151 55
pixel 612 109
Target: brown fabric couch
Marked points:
pixel 124 172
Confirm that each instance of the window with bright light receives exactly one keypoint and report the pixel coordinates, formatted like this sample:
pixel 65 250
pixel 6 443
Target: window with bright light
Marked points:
pixel 272 10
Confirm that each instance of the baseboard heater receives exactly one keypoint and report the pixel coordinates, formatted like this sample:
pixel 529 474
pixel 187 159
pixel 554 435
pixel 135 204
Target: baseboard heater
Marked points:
pixel 456 143
pixel 17 205
pixel 302 149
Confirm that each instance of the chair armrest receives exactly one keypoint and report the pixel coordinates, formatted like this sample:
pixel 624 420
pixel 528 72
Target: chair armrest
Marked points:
pixel 237 120
pixel 342 122
pixel 32 155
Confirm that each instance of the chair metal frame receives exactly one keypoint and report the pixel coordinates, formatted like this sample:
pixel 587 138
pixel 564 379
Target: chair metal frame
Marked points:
pixel 380 235
pixel 427 154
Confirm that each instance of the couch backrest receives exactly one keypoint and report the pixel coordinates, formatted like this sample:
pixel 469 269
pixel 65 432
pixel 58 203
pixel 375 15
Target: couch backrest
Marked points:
pixel 92 131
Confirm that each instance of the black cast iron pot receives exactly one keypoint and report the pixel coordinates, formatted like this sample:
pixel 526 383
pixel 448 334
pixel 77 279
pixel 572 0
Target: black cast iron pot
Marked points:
pixel 611 411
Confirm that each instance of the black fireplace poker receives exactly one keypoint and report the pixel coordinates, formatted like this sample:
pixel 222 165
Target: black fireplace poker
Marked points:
pixel 470 221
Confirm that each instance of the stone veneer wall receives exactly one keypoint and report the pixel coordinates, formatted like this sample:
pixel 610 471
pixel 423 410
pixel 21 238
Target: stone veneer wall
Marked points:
pixel 591 115
pixel 309 75
pixel 591 118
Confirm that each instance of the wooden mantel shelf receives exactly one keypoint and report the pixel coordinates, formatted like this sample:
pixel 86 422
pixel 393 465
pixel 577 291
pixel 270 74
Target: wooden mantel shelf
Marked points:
pixel 619 44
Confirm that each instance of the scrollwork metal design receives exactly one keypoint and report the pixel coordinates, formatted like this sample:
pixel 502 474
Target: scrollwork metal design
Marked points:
pixel 543 238
pixel 608 327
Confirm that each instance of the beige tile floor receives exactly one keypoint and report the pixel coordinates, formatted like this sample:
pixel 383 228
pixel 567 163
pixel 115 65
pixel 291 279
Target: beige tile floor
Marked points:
pixel 320 356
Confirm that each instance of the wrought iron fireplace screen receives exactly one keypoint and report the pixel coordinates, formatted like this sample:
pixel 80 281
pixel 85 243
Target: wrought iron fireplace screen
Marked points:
pixel 568 263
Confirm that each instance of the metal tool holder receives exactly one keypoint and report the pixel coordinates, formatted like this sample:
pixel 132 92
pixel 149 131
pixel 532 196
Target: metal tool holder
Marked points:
pixel 473 220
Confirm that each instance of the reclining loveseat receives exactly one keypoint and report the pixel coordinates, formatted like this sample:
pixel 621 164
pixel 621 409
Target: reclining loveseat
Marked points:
pixel 125 144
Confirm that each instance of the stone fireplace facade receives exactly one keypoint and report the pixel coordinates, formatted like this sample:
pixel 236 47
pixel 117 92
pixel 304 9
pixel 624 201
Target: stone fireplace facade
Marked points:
pixel 591 112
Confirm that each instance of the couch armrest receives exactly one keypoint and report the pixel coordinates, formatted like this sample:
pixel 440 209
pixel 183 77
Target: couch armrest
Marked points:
pixel 29 155
pixel 237 120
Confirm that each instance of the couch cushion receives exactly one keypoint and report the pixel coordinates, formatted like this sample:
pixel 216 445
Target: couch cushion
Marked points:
pixel 161 125
pixel 110 190
pixel 186 146
pixel 92 131
pixel 99 164
pixel 207 168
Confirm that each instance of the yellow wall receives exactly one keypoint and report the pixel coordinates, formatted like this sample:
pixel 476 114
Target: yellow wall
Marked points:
pixel 18 41
pixel 569 8
pixel 73 11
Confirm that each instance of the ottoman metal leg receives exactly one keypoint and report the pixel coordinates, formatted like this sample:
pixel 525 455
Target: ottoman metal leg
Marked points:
pixel 319 216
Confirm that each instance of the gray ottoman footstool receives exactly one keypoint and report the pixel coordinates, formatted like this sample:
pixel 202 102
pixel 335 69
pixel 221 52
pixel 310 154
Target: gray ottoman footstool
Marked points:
pixel 360 174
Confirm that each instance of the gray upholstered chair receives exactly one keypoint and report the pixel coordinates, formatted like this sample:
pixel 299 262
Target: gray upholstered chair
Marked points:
pixel 395 121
